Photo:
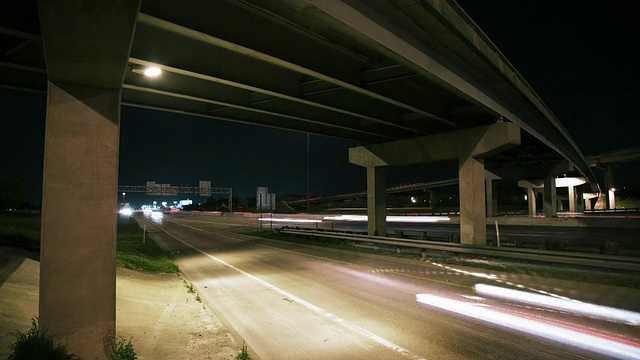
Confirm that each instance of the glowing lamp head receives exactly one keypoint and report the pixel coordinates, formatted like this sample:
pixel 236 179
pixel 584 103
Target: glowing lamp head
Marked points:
pixel 152 71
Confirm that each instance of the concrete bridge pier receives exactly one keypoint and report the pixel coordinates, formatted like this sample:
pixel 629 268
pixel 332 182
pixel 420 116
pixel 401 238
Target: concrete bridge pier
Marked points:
pixel 531 186
pixel 550 197
pixel 473 217
pixel 86 47
pixel 491 193
pixel 376 201
pixel 469 147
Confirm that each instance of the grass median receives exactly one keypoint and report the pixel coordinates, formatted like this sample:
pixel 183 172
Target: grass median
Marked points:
pixel 23 231
pixel 135 254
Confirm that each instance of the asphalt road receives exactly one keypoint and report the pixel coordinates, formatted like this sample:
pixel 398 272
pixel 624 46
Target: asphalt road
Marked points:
pixel 291 301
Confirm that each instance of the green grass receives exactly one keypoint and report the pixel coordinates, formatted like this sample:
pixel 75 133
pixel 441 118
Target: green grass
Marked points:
pixel 615 278
pixel 23 231
pixel 20 230
pixel 20 237
pixel 132 253
pixel 244 354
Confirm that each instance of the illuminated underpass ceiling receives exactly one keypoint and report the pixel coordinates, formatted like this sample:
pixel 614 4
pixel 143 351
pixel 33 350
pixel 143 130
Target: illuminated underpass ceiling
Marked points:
pixel 370 71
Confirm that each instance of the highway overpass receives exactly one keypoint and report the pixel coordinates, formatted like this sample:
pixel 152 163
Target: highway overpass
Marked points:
pixel 412 81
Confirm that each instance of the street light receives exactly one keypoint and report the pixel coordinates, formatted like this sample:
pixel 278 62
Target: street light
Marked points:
pixel 123 194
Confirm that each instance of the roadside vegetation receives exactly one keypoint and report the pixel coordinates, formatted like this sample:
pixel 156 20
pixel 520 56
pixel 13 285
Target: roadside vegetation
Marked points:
pixel 22 230
pixel 34 344
pixel 614 278
pixel 135 254
pixel 38 344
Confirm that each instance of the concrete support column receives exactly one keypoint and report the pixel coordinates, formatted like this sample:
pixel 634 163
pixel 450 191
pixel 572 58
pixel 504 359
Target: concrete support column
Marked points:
pixel 550 197
pixel 376 201
pixel 572 199
pixel 86 47
pixel 79 217
pixel 472 202
pixel 608 185
pixel 492 197
pixel 531 199
pixel 579 199
pixel 433 199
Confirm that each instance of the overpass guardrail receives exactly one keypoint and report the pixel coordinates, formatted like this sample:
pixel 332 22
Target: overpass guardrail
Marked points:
pixel 549 256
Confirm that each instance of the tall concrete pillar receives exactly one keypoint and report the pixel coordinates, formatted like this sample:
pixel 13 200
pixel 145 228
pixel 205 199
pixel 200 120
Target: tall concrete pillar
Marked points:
pixel 473 229
pixel 86 47
pixel 572 199
pixel 433 199
pixel 579 199
pixel 610 202
pixel 531 199
pixel 492 197
pixel 376 201
pixel 550 197
pixel 79 216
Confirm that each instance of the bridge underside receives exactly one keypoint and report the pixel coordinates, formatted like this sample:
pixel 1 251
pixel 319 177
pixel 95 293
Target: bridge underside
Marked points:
pixel 389 74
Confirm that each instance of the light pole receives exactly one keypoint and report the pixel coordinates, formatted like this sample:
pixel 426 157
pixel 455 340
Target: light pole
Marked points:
pixel 123 194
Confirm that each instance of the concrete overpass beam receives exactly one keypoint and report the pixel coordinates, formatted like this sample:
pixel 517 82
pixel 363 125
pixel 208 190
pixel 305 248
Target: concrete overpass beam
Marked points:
pixel 376 201
pixel 468 146
pixel 86 47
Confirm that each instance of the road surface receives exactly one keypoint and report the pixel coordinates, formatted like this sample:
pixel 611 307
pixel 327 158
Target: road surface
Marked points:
pixel 291 301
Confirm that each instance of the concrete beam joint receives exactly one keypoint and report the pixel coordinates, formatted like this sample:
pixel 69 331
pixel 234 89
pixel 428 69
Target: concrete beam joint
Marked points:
pixel 479 143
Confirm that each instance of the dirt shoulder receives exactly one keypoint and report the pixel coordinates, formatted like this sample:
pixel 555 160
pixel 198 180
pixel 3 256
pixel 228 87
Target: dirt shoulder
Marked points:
pixel 163 320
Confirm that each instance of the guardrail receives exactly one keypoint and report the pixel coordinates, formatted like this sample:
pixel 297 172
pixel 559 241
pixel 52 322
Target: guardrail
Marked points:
pixel 613 211
pixel 549 256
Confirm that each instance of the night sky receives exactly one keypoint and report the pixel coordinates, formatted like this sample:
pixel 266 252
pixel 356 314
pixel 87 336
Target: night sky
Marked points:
pixel 578 56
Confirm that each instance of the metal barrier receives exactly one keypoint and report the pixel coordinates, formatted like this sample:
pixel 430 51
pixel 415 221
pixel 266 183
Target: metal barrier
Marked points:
pixel 549 256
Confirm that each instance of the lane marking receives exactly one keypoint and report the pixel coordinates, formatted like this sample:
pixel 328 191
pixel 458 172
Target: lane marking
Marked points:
pixel 370 267
pixel 188 226
pixel 443 282
pixel 384 342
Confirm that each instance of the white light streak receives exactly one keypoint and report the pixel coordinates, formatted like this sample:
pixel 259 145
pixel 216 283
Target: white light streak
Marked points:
pixel 290 220
pixel 403 219
pixel 476 274
pixel 569 305
pixel 571 337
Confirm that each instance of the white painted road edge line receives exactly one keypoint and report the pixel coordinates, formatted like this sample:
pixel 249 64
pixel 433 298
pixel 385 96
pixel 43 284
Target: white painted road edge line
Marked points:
pixel 306 304
pixel 177 223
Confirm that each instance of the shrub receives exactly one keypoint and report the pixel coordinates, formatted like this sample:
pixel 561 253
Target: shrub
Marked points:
pixel 38 345
pixel 123 350
pixel 244 355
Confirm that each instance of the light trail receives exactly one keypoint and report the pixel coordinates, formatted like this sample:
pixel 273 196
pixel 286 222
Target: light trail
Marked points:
pixel 556 333
pixel 390 218
pixel 568 305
